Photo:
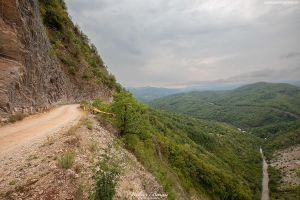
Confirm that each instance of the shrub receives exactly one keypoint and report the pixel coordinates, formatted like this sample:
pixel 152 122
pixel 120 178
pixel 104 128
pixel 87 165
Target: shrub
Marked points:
pixel 66 160
pixel 88 124
pixel 65 60
pixel 85 75
pixel 78 194
pixel 13 182
pixel 106 174
pixel 297 170
pixel 72 69
pixel 85 102
pixel 92 146
pixel 17 117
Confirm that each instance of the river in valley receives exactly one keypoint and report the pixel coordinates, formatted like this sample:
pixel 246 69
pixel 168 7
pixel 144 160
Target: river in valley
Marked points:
pixel 265 180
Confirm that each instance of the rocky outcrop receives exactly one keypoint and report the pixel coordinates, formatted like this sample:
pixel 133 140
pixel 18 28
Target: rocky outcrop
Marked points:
pixel 31 78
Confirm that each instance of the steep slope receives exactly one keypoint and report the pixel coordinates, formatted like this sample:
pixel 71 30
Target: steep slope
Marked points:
pixel 35 71
pixel 209 160
pixel 247 107
pixel 34 171
pixel 270 111
pixel 283 153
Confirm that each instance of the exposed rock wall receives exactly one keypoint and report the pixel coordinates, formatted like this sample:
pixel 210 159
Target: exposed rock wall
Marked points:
pixel 30 77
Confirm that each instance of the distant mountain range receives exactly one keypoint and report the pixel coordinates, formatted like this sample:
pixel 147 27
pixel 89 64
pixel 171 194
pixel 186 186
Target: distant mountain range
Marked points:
pixel 146 94
pixel 247 107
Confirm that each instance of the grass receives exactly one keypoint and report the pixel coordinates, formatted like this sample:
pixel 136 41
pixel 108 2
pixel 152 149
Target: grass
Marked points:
pixel 50 140
pixel 13 182
pixel 92 146
pixel 88 124
pixel 79 193
pixel 297 170
pixel 31 157
pixel 72 129
pixel 66 160
pixel 17 117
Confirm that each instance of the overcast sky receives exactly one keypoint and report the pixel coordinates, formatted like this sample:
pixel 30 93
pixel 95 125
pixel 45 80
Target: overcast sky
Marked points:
pixel 177 43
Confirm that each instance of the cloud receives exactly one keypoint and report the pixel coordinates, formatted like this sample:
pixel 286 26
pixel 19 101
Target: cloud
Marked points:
pixel 270 75
pixel 291 55
pixel 161 43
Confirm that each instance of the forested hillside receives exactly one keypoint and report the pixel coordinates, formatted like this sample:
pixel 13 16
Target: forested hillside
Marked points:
pixel 246 107
pixel 269 111
pixel 208 159
pixel 206 148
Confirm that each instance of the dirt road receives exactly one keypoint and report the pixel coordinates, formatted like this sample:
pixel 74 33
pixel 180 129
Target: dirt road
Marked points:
pixel 38 127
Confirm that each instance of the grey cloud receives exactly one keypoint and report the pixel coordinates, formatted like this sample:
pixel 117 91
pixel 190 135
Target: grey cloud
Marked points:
pixel 169 38
pixel 253 75
pixel 270 75
pixel 79 5
pixel 291 55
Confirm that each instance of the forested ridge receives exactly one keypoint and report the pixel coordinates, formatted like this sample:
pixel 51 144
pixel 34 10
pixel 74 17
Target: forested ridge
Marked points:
pixel 246 107
pixel 267 111
pixel 210 159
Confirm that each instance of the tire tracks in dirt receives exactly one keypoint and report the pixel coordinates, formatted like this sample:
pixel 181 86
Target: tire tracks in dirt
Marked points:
pixel 24 133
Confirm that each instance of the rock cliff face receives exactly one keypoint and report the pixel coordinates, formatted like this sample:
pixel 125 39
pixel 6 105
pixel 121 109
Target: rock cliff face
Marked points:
pixel 31 78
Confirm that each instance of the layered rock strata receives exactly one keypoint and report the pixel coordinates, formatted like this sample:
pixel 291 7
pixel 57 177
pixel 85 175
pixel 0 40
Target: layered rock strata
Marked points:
pixel 31 78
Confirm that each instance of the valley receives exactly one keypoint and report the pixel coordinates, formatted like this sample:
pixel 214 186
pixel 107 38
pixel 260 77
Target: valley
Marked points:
pixel 230 136
pixel 269 112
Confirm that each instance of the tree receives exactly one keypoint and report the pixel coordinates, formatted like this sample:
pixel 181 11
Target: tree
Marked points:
pixel 130 114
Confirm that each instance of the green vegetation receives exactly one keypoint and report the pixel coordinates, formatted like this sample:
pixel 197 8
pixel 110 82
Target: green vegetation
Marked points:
pixel 269 111
pixel 206 158
pixel 88 124
pixel 72 47
pixel 280 136
pixel 106 174
pixel 13 182
pixel 274 177
pixel 17 117
pixel 66 160
pixel 92 146
pixel 78 194
pixel 130 114
pixel 297 170
pixel 247 107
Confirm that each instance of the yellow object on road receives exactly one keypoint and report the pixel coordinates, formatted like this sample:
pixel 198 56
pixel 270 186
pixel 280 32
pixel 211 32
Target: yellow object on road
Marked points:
pixel 93 109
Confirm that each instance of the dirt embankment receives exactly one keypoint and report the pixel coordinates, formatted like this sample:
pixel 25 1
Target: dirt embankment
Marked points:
pixel 287 160
pixel 29 167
